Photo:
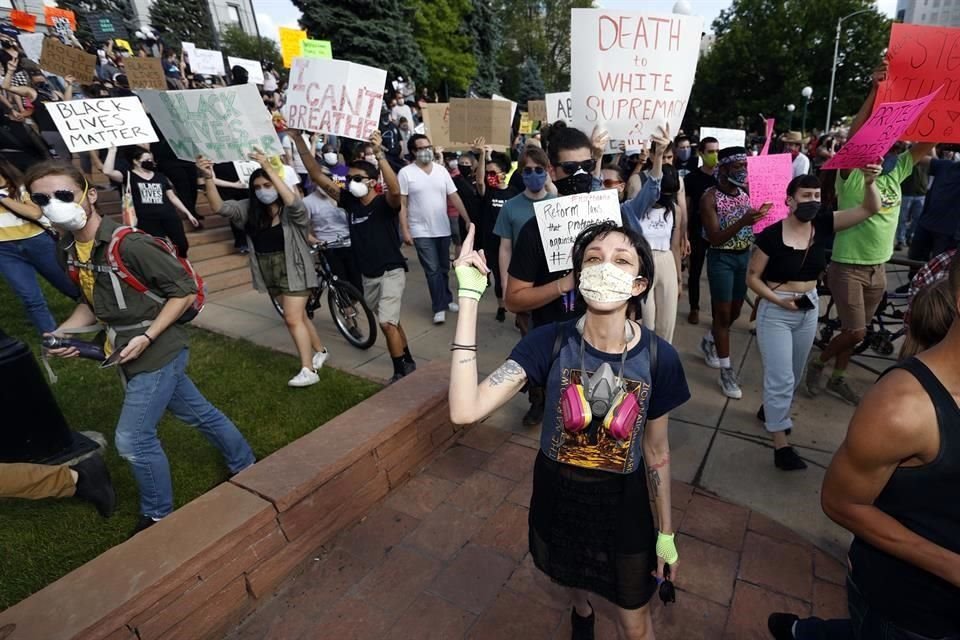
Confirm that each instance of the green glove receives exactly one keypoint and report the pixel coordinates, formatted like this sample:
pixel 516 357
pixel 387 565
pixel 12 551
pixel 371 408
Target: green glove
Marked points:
pixel 472 282
pixel 666 548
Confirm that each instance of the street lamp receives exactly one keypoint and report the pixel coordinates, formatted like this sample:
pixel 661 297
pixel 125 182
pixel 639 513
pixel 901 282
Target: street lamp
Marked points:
pixel 806 92
pixel 790 109
pixel 833 71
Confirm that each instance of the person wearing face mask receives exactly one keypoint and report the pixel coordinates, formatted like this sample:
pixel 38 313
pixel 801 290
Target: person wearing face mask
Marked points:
pixel 695 185
pixel 788 258
pixel 426 189
pixel 464 179
pixel 728 225
pixel 793 144
pixel 494 192
pixel 292 156
pixel 685 159
pixel 154 198
pixel 604 448
pixel 40 92
pixel 328 224
pixel 331 160
pixel 277 225
pixel 143 332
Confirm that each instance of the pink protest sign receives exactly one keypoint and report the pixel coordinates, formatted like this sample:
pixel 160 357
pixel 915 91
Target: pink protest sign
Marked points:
pixel 767 179
pixel 768 135
pixel 879 132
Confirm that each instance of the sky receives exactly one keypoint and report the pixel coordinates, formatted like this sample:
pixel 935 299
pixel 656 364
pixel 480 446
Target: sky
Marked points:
pixel 272 14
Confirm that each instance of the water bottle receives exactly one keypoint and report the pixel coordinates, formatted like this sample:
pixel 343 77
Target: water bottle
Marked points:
pixel 87 350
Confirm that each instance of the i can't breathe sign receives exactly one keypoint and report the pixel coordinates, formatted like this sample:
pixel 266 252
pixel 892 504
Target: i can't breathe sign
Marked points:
pixel 97 124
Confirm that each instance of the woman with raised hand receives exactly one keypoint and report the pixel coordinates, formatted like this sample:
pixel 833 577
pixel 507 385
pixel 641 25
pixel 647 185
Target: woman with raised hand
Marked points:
pixel 277 225
pixel 610 385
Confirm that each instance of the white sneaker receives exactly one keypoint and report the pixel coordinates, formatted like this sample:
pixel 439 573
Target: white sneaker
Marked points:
pixel 439 317
pixel 729 384
pixel 709 350
pixel 453 307
pixel 319 358
pixel 304 379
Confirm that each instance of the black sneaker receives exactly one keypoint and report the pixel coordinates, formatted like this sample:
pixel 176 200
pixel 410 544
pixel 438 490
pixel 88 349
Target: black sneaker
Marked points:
pixel 781 625
pixel 582 625
pixel 94 486
pixel 145 522
pixel 501 314
pixel 409 366
pixel 786 459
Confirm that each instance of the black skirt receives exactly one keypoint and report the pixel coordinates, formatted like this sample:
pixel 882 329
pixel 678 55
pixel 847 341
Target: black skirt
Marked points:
pixel 594 530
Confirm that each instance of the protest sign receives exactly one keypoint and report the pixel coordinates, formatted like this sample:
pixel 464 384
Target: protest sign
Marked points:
pixel 254 70
pixel 316 49
pixel 62 60
pixel 526 123
pixel 767 179
pixel 290 46
pixel 245 169
pixel 768 134
pixel 560 107
pixel 61 27
pixel 537 110
pixel 49 13
pixel 632 72
pixel 872 140
pixel 123 44
pixel 561 219
pixel 207 62
pixel 220 124
pixel 921 58
pixel 32 44
pixel 102 122
pixel 145 73
pixel 335 96
pixel 190 49
pixel 106 26
pixel 726 137
pixel 472 118
pixel 513 106
pixel 23 20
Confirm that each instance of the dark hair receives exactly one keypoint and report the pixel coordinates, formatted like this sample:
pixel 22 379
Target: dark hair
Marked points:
pixel 258 217
pixel 54 168
pixel 136 153
pixel 681 138
pixel 502 160
pixel 372 172
pixel 653 148
pixel 328 148
pixel 702 145
pixel 538 155
pixel 412 142
pixel 805 181
pixel 932 312
pixel 614 167
pixel 564 138
pixel 601 231
pixel 12 176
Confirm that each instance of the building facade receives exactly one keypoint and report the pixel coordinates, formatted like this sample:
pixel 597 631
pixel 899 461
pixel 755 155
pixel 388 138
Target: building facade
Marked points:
pixel 941 13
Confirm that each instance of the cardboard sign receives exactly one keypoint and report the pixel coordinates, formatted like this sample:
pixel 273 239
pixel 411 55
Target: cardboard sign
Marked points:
pixel 767 179
pixel 207 62
pixel 59 59
pixel 32 45
pixel 23 20
pixel 726 137
pixel 878 134
pixel 537 110
pixel 768 135
pixel 513 106
pixel 560 107
pixel 254 70
pixel 921 59
pixel 335 96
pixel 49 13
pixel 102 122
pixel 562 219
pixel 632 72
pixel 106 26
pixel 290 46
pixel 471 118
pixel 526 123
pixel 316 49
pixel 222 124
pixel 145 73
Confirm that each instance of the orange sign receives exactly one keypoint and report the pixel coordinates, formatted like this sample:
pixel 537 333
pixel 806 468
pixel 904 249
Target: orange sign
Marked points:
pixel 23 20
pixel 49 13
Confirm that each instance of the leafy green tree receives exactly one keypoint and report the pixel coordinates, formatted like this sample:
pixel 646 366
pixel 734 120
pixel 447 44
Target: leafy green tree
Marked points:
pixel 531 84
pixel 556 29
pixel 180 21
pixel 121 9
pixel 236 42
pixel 766 52
pixel 483 25
pixel 524 37
pixel 377 33
pixel 447 47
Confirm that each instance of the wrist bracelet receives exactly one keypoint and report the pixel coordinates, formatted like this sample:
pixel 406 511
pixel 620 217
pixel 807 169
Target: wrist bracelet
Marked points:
pixel 147 336
pixel 462 347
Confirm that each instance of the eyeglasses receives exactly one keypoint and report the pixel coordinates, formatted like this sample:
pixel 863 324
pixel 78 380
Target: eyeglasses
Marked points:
pixel 612 184
pixel 571 168
pixel 528 171
pixel 356 178
pixel 43 199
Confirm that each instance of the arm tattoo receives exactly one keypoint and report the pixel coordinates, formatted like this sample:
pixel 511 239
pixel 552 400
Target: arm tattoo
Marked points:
pixel 662 463
pixel 654 484
pixel 509 372
pixel 466 360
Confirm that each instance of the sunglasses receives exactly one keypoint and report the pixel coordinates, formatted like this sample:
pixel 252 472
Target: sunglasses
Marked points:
pixel 357 178
pixel 612 184
pixel 529 171
pixel 571 168
pixel 43 199
pixel 667 592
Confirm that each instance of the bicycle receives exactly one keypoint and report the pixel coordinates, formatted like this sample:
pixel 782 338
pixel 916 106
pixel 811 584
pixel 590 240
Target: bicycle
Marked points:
pixel 348 308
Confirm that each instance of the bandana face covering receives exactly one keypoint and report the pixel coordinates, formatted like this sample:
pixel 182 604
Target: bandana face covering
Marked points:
pixel 606 283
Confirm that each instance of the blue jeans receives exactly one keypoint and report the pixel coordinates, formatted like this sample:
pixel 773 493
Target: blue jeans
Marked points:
pixel 21 261
pixel 910 209
pixel 434 255
pixel 148 396
pixel 785 339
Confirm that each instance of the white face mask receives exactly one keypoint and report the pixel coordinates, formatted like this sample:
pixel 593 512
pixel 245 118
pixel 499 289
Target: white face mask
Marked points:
pixel 267 196
pixel 330 158
pixel 68 216
pixel 371 159
pixel 358 189
pixel 606 283
pixel 425 156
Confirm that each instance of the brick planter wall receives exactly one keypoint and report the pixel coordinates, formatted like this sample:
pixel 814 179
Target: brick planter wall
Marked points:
pixel 207 564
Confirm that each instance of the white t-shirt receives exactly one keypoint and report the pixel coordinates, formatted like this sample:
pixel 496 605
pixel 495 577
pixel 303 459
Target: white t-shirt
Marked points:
pixel 657 228
pixel 427 200
pixel 269 82
pixel 402 111
pixel 801 165
pixel 327 220
pixel 290 177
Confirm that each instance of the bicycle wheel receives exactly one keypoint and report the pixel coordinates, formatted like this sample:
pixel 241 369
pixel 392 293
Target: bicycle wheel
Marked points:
pixel 350 313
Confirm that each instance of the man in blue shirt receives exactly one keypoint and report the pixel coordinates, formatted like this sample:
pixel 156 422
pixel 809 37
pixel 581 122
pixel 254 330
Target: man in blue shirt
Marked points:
pixel 936 231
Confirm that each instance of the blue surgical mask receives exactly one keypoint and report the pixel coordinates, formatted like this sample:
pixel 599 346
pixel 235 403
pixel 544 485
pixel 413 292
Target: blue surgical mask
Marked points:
pixel 534 181
pixel 683 154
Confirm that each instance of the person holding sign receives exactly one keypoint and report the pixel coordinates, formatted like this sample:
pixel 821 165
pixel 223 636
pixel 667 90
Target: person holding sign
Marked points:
pixel 789 257
pixel 277 225
pixel 40 94
pixel 604 446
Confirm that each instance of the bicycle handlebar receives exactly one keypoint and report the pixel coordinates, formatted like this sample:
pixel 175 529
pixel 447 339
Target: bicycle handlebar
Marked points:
pixel 339 243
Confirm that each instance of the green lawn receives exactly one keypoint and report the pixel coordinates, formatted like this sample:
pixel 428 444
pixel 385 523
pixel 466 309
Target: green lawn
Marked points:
pixel 40 541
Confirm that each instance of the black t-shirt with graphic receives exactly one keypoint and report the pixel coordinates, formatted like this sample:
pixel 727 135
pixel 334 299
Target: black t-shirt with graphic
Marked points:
pixel 493 201
pixel 150 196
pixel 374 236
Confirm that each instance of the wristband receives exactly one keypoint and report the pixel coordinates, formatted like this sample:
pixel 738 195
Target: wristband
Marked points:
pixel 145 335
pixel 472 282
pixel 667 548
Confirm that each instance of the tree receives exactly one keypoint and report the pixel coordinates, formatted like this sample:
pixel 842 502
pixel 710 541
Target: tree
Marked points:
pixel 82 8
pixel 531 84
pixel 236 42
pixel 180 21
pixel 445 45
pixel 523 37
pixel 556 27
pixel 766 51
pixel 377 33
pixel 483 25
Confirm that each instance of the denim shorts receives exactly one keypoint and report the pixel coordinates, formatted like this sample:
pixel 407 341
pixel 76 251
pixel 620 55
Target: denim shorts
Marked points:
pixel 727 274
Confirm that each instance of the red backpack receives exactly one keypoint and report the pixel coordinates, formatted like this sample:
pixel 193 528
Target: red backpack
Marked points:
pixel 118 272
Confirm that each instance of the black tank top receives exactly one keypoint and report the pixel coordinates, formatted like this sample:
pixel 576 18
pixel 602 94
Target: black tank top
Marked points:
pixel 926 500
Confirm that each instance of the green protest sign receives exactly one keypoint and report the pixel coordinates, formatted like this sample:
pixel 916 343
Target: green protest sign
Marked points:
pixel 317 49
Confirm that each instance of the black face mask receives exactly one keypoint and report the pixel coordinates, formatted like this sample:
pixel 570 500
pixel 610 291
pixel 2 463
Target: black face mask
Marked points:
pixel 466 170
pixel 148 165
pixel 807 211
pixel 580 182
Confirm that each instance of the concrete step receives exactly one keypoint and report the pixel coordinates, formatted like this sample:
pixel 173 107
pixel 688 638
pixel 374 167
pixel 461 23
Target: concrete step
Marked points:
pixel 208 236
pixel 230 292
pixel 223 264
pixel 211 250
pixel 227 280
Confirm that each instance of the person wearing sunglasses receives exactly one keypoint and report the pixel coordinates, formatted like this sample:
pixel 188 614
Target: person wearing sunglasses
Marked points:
pixel 143 333
pixel 495 192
